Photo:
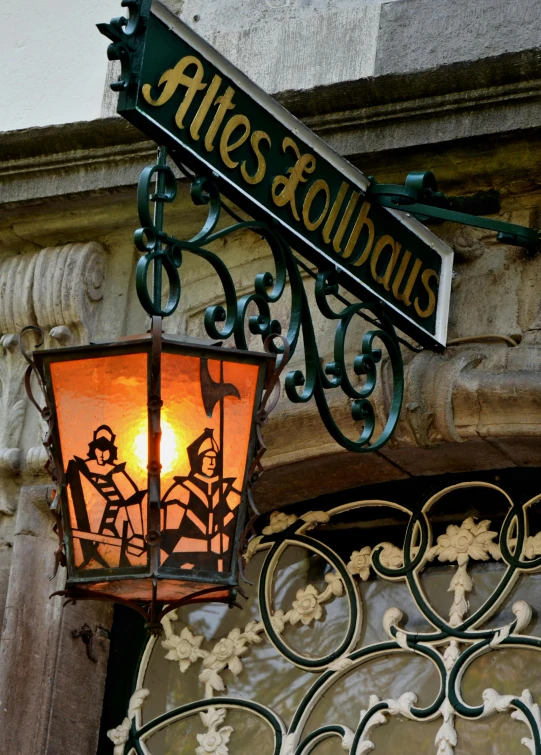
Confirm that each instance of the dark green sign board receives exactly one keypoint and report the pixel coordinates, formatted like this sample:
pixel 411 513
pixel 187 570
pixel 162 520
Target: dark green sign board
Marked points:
pixel 183 94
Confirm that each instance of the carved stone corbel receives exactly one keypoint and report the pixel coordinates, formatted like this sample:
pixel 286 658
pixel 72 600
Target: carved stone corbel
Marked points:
pixel 478 390
pixel 68 284
pixel 59 289
pixel 431 379
pixel 12 408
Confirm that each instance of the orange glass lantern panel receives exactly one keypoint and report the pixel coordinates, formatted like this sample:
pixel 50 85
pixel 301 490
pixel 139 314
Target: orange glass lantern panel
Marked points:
pixel 208 411
pixel 208 405
pixel 101 404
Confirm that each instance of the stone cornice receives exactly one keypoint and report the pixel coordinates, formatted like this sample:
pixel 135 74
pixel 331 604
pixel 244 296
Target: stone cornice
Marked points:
pixel 391 114
pixel 483 75
pixel 384 114
pixel 71 159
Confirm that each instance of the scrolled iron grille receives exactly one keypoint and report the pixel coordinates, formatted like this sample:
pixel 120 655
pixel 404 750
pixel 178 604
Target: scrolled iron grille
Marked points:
pixel 163 254
pixel 451 644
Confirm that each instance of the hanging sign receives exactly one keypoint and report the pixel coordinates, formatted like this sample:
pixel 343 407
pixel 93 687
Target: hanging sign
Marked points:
pixel 183 94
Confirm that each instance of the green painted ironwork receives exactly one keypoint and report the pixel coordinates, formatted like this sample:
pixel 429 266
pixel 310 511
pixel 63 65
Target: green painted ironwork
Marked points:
pixel 184 95
pixel 419 197
pixel 139 42
pixel 451 644
pixel 160 264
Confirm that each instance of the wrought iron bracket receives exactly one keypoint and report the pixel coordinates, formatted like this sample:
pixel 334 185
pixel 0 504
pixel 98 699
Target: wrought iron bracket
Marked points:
pixel 421 199
pixel 159 288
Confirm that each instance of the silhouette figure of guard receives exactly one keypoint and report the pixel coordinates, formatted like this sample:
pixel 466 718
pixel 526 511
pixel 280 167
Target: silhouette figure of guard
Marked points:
pixel 198 519
pixel 114 515
pixel 198 523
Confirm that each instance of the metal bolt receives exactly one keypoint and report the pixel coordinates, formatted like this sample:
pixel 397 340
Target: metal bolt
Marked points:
pixel 155 402
pixel 153 537
pixel 87 636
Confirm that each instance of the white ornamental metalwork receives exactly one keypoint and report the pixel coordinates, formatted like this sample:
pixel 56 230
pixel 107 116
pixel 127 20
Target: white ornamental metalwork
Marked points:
pixel 451 643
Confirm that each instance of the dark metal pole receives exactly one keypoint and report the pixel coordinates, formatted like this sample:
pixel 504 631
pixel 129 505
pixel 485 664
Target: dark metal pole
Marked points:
pixel 222 450
pixel 154 462
pixel 158 223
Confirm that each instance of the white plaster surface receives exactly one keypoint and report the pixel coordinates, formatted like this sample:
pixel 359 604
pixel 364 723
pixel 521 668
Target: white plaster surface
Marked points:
pixel 231 15
pixel 310 50
pixel 289 44
pixel 53 60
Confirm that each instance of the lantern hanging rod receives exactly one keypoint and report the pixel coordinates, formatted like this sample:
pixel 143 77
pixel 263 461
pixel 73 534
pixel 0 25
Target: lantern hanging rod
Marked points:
pixel 420 198
pixel 158 286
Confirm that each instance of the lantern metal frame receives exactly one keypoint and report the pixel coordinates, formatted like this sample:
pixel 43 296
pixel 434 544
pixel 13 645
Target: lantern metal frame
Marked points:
pixel 224 585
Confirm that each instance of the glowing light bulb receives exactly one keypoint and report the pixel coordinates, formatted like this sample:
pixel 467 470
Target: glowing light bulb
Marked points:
pixel 169 451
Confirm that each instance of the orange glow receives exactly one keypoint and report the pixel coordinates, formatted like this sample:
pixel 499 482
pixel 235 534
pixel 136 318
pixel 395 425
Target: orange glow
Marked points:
pixel 102 418
pixel 181 394
pixel 89 394
pixel 169 449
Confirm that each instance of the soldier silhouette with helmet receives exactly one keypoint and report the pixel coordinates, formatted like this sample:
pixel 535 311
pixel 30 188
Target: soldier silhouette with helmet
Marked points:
pixel 107 504
pixel 198 519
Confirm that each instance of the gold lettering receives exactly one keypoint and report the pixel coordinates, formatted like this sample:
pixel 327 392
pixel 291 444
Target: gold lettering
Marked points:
pixel 205 106
pixel 174 78
pixel 224 104
pixel 405 295
pixel 335 209
pixel 362 220
pixel 381 243
pixel 305 164
pixel 229 128
pixel 313 191
pixel 425 278
pixel 354 198
pixel 257 137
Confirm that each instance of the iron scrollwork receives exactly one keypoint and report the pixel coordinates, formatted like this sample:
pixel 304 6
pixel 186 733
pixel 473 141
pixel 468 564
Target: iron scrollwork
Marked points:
pixel 162 257
pixel 497 621
pixel 420 197
pixel 123 33
pixel 47 416
pixel 450 645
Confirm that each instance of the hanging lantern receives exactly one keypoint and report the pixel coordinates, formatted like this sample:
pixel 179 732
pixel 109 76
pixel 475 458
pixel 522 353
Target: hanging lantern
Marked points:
pixel 152 439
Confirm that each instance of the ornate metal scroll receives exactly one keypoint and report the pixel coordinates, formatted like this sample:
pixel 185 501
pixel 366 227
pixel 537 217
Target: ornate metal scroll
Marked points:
pixel 451 643
pixel 162 257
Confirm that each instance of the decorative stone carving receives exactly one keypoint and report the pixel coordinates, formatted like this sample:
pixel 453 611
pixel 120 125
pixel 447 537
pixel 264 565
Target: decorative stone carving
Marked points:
pixel 473 390
pixel 68 283
pixel 468 244
pixel 16 292
pixel 430 384
pixel 57 288
pixel 12 407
